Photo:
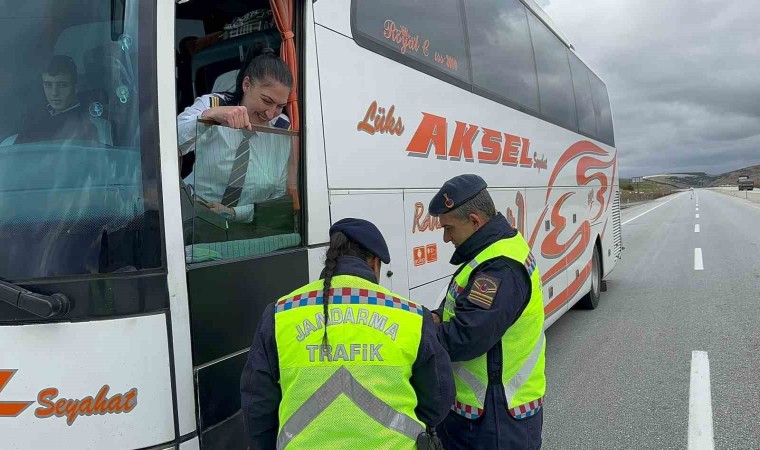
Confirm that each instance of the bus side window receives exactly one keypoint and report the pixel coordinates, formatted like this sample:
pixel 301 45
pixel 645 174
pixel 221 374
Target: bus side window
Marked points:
pixel 434 30
pixel 554 81
pixel 602 110
pixel 583 101
pixel 502 56
pixel 241 202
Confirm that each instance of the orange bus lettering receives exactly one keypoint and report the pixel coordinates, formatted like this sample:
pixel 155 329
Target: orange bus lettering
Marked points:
pixel 73 408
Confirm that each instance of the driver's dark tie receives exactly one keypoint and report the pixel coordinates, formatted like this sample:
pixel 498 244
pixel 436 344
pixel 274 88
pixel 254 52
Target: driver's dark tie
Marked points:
pixel 234 188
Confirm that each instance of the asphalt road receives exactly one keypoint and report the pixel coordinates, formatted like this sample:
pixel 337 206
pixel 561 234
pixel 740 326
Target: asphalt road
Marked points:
pixel 618 377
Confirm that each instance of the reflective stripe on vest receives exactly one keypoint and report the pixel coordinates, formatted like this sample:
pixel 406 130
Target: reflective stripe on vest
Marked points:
pixel 522 375
pixel 355 391
pixel 342 382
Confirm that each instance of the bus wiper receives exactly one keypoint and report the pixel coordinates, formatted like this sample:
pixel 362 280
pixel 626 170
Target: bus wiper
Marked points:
pixel 45 306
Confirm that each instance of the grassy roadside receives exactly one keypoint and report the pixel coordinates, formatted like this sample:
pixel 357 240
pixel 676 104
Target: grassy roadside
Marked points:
pixel 645 190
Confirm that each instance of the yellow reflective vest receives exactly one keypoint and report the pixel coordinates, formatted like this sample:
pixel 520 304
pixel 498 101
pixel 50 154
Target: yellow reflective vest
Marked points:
pixel 355 391
pixel 523 343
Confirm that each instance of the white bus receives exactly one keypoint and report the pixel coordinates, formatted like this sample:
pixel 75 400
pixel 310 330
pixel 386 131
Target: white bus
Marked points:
pixel 128 307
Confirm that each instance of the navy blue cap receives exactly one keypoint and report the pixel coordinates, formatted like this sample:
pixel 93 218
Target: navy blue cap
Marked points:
pixel 456 192
pixel 364 233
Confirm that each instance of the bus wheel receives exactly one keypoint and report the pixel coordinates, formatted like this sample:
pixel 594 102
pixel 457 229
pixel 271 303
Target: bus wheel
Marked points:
pixel 591 300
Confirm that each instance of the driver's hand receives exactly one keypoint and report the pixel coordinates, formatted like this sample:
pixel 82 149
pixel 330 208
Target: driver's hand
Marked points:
pixel 229 116
pixel 224 211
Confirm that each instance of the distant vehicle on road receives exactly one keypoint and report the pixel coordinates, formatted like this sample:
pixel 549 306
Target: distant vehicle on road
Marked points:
pixel 745 184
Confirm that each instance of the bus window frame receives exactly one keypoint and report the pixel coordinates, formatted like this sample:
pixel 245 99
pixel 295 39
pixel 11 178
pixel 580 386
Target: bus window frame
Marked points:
pixel 301 179
pixel 258 128
pixel 142 279
pixel 365 41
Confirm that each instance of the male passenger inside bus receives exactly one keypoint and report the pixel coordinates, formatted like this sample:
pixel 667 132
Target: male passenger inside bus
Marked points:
pixel 64 118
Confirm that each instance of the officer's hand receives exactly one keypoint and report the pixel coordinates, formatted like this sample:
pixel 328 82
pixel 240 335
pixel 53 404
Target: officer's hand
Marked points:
pixel 436 318
pixel 229 116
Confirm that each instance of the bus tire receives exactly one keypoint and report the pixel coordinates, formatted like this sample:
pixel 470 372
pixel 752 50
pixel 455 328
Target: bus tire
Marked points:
pixel 591 300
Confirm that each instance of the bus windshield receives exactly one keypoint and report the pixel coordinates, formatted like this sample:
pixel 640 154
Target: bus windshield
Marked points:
pixel 78 188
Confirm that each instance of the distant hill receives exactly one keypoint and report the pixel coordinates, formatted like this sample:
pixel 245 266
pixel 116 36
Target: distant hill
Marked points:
pixel 684 180
pixel 729 178
pixel 701 179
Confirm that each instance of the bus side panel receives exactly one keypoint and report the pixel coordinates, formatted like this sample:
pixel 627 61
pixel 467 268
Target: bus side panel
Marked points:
pixel 389 126
pixel 426 253
pixel 97 364
pixel 612 234
pixel 386 210
pixel 172 217
pixel 549 258
pixel 192 444
pixel 580 253
pixel 431 294
pixel 334 15
pixel 317 201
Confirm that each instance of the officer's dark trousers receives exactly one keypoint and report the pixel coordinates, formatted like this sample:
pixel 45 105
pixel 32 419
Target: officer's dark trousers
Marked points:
pixel 496 429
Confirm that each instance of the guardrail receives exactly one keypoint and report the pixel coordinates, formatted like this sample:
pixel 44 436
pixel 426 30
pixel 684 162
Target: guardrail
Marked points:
pixel 735 192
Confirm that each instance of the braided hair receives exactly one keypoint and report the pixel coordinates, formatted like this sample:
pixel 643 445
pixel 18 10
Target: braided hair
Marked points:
pixel 262 66
pixel 340 245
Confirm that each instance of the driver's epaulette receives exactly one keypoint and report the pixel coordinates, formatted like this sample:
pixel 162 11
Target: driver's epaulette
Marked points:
pixel 214 101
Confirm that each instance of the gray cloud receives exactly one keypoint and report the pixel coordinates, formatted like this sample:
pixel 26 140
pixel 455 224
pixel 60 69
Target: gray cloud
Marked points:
pixel 683 77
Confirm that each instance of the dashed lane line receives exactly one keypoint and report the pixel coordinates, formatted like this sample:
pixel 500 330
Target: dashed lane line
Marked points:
pixel 700 404
pixel 698 259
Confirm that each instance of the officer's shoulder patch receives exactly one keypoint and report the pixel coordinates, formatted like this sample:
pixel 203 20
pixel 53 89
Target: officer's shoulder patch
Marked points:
pixel 483 291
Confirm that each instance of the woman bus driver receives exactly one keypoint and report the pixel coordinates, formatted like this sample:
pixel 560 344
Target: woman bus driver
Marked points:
pixel 234 170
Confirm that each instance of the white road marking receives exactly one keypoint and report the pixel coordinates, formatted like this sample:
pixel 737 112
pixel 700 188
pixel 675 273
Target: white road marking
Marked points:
pixel 648 211
pixel 698 259
pixel 697 216
pixel 697 208
pixel 696 228
pixel 700 404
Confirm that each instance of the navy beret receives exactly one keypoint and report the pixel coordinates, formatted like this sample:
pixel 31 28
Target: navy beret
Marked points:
pixel 455 192
pixel 364 233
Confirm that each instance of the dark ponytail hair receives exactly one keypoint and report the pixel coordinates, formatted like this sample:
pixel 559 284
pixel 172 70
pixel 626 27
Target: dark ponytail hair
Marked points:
pixel 262 66
pixel 340 245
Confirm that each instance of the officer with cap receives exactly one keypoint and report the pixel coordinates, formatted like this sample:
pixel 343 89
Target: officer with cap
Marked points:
pixel 491 322
pixel 373 375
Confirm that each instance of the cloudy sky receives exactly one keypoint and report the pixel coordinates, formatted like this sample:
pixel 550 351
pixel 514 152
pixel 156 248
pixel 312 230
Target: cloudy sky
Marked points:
pixel 683 77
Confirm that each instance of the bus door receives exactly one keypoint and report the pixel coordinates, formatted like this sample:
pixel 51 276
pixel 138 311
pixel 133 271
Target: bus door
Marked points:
pixel 84 304
pixel 236 264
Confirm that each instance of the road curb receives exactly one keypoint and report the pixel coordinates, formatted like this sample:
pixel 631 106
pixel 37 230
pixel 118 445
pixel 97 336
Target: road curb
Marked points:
pixel 751 196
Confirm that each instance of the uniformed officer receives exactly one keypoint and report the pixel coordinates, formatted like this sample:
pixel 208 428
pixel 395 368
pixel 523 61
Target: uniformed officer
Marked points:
pixel 491 322
pixel 372 376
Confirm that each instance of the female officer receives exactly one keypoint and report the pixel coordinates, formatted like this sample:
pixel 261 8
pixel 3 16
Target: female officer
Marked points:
pixel 373 375
pixel 234 170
